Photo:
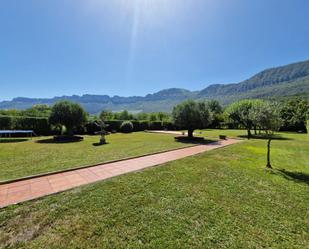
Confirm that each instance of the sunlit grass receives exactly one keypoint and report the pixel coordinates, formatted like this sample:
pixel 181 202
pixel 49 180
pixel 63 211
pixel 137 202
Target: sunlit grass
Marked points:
pixel 220 199
pixel 20 158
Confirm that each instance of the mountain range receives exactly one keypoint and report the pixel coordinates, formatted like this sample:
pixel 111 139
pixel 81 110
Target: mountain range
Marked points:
pixel 275 82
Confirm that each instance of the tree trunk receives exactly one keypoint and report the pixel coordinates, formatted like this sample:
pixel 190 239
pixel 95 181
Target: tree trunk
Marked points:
pixel 268 154
pixel 255 132
pixel 249 133
pixel 190 133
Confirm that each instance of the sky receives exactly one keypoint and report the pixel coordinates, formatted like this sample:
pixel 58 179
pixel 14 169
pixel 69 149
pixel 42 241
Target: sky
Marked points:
pixel 135 47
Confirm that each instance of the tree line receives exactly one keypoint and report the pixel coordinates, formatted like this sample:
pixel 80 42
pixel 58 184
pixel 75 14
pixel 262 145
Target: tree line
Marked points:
pixel 252 115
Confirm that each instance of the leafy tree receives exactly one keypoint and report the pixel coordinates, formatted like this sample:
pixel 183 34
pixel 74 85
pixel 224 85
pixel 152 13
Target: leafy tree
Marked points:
pixel 11 112
pixel 162 116
pixel 141 116
pixel 37 111
pixel 68 114
pixel 240 113
pixel 215 106
pixel 191 115
pixel 152 117
pixel 293 112
pixel 124 115
pixel 267 115
pixel 106 115
pixel 217 113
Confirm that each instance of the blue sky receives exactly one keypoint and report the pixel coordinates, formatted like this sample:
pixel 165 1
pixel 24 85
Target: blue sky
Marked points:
pixel 134 47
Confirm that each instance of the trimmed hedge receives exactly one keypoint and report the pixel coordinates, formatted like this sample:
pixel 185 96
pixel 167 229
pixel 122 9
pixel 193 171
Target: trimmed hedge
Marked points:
pixel 169 126
pixel 6 123
pixel 156 125
pixel 39 125
pixel 114 125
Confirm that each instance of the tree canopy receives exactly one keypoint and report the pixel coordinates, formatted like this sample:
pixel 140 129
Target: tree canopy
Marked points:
pixel 69 114
pixel 191 115
pixel 240 113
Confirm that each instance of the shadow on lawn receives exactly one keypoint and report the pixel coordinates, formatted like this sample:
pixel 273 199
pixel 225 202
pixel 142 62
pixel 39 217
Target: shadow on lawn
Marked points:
pixel 263 137
pixel 99 144
pixel 53 141
pixel 298 177
pixel 13 140
pixel 186 140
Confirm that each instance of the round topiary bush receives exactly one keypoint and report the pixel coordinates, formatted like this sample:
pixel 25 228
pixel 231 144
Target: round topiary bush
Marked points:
pixel 126 127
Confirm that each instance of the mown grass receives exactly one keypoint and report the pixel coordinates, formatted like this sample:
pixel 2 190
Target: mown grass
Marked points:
pixel 220 199
pixel 214 133
pixel 20 157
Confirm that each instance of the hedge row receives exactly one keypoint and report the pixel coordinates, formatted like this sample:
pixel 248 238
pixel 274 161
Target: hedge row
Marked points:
pixel 39 125
pixel 114 125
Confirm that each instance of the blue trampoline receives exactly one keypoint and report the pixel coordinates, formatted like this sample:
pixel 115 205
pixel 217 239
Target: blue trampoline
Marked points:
pixel 8 133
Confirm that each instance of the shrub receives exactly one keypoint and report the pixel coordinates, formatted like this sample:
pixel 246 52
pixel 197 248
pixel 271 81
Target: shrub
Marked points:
pixel 126 127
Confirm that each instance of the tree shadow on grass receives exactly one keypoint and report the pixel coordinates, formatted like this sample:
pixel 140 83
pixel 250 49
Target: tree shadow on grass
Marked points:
pixel 298 177
pixel 263 137
pixel 57 141
pixel 13 140
pixel 195 140
pixel 99 144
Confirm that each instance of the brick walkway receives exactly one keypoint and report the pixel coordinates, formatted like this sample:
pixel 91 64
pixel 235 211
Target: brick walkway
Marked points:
pixel 23 190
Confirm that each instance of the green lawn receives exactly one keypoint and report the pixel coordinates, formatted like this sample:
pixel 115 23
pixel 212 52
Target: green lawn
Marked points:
pixel 215 133
pixel 220 199
pixel 24 158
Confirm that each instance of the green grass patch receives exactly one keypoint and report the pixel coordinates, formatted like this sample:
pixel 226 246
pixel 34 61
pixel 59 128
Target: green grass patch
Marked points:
pixel 220 199
pixel 22 157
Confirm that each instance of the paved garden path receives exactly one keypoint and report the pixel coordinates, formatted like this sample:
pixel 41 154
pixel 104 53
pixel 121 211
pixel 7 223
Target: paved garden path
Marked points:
pixel 23 190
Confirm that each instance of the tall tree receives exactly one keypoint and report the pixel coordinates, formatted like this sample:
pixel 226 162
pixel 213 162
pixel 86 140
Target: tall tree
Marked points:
pixel 125 115
pixel 267 116
pixel 191 115
pixel 217 113
pixel 293 112
pixel 240 113
pixel 106 115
